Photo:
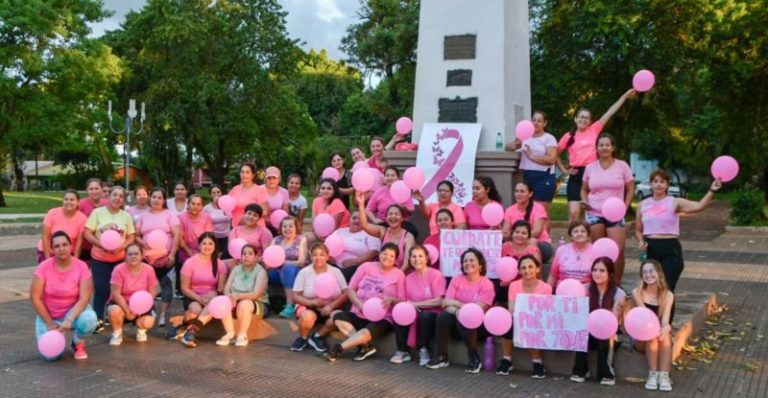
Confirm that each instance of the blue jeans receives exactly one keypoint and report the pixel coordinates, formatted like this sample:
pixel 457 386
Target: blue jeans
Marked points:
pixel 283 276
pixel 102 273
pixel 84 324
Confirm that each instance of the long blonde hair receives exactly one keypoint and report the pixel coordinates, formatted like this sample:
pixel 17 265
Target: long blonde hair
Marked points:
pixel 661 283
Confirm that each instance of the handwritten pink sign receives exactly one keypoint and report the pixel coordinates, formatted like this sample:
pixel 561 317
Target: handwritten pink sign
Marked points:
pixel 549 322
pixel 453 242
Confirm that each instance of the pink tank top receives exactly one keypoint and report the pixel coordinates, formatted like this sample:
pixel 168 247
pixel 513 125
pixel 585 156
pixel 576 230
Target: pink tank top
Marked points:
pixel 660 217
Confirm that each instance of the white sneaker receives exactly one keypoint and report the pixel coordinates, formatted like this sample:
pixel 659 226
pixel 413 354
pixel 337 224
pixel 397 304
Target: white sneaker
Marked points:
pixel 116 339
pixel 161 320
pixel 241 341
pixel 653 381
pixel 400 357
pixel 224 340
pixel 141 335
pixel 423 357
pixel 665 384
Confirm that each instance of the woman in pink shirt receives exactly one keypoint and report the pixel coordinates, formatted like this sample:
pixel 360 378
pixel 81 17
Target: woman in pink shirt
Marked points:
pixel 381 200
pixel 444 201
pixel 657 228
pixel 295 246
pixel 444 221
pixel 277 196
pixel 606 178
pixel 328 201
pixel 573 261
pixel 178 204
pixel 60 292
pixel 483 192
pixel 65 218
pixel 203 277
pixel 129 277
pixel 221 220
pixel 381 280
pixel 520 245
pixel 248 192
pixel 580 144
pixel 141 207
pixel 86 206
pixel 525 208
pixel 424 289
pixel 193 222
pixel 376 161
pixel 254 234
pixel 395 233
pixel 530 282
pixel 470 287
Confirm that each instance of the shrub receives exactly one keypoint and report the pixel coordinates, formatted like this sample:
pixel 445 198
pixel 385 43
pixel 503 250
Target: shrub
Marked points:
pixel 747 206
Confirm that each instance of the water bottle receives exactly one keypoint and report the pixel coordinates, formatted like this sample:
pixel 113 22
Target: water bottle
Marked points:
pixel 499 142
pixel 489 355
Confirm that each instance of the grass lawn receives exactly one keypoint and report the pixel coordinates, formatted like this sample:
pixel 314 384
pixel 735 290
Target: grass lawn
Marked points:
pixel 30 202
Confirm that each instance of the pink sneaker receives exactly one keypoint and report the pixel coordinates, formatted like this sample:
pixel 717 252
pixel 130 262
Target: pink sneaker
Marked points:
pixel 79 349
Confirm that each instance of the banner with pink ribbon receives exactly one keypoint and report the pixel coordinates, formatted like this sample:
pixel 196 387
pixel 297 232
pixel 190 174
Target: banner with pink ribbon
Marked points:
pixel 447 152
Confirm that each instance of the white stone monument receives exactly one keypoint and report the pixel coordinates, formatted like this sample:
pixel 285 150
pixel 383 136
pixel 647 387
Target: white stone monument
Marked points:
pixel 473 66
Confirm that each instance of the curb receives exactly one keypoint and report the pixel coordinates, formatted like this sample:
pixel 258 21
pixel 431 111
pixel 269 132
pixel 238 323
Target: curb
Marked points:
pixel 736 228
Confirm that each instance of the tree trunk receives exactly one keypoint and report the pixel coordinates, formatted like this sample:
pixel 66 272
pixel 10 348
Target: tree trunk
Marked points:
pixel 2 198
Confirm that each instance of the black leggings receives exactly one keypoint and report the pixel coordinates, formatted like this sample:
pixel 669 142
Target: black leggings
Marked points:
pixel 670 254
pixel 448 325
pixel 425 329
pixel 604 359
pixel 101 272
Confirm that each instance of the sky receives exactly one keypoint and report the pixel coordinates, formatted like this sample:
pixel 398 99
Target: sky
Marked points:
pixel 317 23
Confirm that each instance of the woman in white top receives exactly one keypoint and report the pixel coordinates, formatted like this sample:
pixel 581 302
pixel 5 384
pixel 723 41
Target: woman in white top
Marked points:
pixel 538 156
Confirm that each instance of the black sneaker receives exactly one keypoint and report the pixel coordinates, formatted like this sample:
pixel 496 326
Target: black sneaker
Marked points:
pixel 538 371
pixel 474 366
pixel 333 353
pixel 505 367
pixel 438 362
pixel 99 327
pixel 316 342
pixel 189 336
pixel 299 344
pixel 364 351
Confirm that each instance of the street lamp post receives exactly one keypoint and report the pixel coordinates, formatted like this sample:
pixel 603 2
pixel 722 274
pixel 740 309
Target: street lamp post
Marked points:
pixel 128 130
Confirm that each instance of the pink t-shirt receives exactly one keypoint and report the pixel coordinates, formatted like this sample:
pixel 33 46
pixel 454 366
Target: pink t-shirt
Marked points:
pixel 513 213
pixel 516 288
pixel 278 200
pixel 458 216
pixel 61 290
pixel 220 219
pixel 255 194
pixel 508 250
pixel 86 206
pixel 356 244
pixel 570 263
pixel 583 151
pixel 130 283
pixel 473 213
pixel 336 207
pixel 136 212
pixel 425 287
pixel 259 236
pixel 202 281
pixel 191 229
pixel 463 290
pixel 382 200
pixel 660 217
pixel 370 281
pixel 162 221
pixel 73 226
pixel 606 183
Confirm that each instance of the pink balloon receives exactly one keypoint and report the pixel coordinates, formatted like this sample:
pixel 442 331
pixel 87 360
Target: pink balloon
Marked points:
pixel 403 125
pixel 359 165
pixel 404 313
pixel 274 256
pixel 373 309
pixel 51 344
pixel 141 302
pixel 605 247
pixel 725 168
pixel 434 254
pixel 227 203
pixel 276 217
pixel 326 286
pixel 335 244
pixel 414 178
pixel 643 80
pixel 235 247
pixel 220 307
pixel 493 214
pixel 524 130
pixel 642 324
pixel 362 180
pixel 323 224
pixel 602 324
pixel 400 192
pixel 614 209
pixel 157 239
pixel 471 315
pixel 331 173
pixel 110 239
pixel 498 321
pixel 570 287
pixel 506 268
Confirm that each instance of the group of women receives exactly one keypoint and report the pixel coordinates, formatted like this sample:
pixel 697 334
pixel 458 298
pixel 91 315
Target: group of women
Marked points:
pixel 382 257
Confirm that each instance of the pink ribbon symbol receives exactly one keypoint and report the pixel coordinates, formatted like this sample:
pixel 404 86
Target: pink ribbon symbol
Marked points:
pixel 448 165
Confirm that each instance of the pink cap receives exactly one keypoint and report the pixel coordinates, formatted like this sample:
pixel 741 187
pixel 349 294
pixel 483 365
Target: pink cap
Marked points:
pixel 272 171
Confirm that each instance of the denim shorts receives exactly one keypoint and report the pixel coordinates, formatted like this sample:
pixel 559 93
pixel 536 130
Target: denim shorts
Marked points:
pixel 594 220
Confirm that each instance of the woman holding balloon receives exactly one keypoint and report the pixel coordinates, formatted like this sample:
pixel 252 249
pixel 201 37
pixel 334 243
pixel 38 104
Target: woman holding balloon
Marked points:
pixel 606 194
pixel 573 261
pixel 384 197
pixel 319 290
pixel 604 294
pixel 537 158
pixel 328 201
pixel 220 218
pixel 526 208
pixel 657 228
pixel 60 292
pixel 359 246
pixel 444 201
pixel 395 233
pixel 249 232
pixel 424 292
pixel 484 192
pixel 129 278
pixel 294 245
pixel 246 288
